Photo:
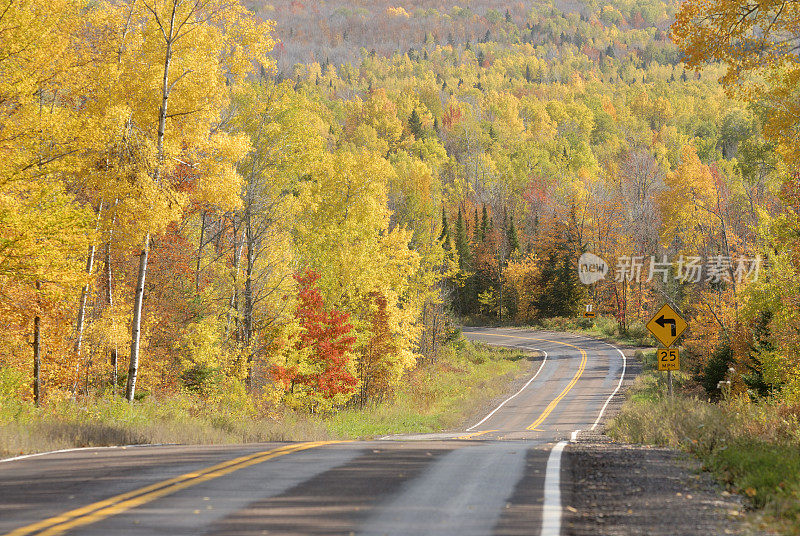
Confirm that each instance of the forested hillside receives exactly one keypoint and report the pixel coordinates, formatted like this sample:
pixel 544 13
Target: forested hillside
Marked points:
pixel 194 198
pixel 341 32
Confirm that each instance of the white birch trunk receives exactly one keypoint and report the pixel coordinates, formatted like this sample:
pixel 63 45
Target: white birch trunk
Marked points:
pixel 162 122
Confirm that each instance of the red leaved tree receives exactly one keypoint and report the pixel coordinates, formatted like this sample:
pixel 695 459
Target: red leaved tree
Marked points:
pixel 322 368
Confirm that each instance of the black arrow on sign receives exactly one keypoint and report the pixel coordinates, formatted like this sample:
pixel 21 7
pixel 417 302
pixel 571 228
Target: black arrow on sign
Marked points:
pixel 664 321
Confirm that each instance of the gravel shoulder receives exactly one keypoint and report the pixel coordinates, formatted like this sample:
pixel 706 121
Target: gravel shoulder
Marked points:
pixel 620 489
pixel 612 488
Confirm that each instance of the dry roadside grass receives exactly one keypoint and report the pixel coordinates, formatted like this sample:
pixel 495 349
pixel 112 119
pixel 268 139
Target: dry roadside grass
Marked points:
pixel 431 398
pixel 108 421
pixel 751 447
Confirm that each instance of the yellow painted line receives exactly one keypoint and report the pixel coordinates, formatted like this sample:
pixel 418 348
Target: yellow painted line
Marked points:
pixel 475 434
pixel 553 403
pixel 118 504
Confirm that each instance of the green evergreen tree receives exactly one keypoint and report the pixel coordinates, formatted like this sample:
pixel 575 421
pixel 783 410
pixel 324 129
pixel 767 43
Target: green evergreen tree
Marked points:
pixel 716 370
pixel 757 384
pixel 462 244
pixel 561 293
pixel 445 226
pixel 484 221
pixel 571 291
pixel 445 238
pixel 465 300
pixel 448 244
pixel 546 302
pixel 477 236
pixel 415 125
pixel 513 238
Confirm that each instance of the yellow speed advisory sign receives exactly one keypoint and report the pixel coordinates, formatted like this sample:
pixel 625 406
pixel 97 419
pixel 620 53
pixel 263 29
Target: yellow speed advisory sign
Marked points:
pixel 668 359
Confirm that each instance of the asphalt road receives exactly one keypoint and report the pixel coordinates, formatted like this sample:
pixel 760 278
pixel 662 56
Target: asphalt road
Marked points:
pixel 489 478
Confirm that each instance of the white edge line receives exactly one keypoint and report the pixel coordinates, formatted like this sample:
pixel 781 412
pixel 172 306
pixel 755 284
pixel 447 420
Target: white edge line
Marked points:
pixel 503 403
pixel 36 455
pixel 619 385
pixel 551 509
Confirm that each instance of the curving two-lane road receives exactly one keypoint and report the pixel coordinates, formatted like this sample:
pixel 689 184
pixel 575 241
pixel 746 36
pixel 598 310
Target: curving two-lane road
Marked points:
pixel 489 478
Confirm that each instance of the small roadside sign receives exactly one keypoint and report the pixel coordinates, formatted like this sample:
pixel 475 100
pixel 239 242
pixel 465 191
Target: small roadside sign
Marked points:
pixel 667 325
pixel 589 312
pixel 668 359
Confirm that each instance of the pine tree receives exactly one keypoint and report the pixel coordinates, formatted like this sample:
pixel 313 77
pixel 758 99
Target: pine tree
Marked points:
pixel 448 243
pixel 462 243
pixel 477 236
pixel 484 221
pixel 465 291
pixel 513 239
pixel 445 235
pixel 415 125
pixel 570 289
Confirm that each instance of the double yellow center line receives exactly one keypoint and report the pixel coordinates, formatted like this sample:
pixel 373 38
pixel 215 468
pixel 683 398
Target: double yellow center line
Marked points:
pixel 121 503
pixel 553 403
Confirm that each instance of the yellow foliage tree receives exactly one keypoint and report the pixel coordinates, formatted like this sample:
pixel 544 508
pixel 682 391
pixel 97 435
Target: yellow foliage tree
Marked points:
pixel 758 42
pixel 44 231
pixel 343 232
pixel 174 64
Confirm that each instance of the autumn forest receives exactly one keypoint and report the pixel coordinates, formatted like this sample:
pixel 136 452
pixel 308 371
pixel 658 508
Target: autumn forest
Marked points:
pixel 294 205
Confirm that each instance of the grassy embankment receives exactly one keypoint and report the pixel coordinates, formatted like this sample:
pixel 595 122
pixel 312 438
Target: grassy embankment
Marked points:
pixel 752 447
pixel 601 327
pixel 434 397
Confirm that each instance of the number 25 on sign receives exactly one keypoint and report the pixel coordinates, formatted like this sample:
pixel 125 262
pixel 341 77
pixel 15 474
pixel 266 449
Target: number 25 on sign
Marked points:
pixel 668 359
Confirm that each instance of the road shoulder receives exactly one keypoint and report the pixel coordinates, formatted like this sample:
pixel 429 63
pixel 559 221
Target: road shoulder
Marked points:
pixel 611 488
pixel 614 488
